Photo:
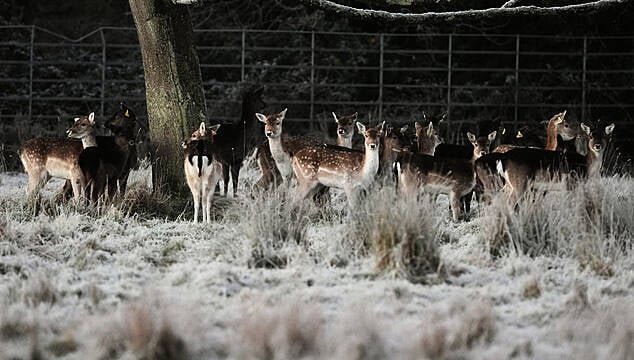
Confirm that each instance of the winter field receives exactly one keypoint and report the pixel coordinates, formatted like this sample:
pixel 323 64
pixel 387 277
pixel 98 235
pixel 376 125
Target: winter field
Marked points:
pixel 396 279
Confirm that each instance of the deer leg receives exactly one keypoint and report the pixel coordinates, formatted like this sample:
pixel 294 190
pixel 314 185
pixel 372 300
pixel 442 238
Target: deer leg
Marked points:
pixel 303 190
pixel 454 200
pixel 225 178
pixel 36 182
pixel 235 172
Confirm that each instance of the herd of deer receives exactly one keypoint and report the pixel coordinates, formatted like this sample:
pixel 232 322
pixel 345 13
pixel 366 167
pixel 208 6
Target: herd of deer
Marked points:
pixel 99 165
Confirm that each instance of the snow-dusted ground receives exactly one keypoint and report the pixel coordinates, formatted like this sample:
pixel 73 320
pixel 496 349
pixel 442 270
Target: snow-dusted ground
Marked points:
pixel 78 285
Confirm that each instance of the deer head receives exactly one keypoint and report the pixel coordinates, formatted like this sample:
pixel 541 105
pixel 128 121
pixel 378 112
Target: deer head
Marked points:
pixel 345 124
pixel 426 138
pixel 202 133
pixel 566 129
pixel 598 138
pixel 372 136
pixel 481 144
pixel 272 123
pixel 83 126
pixel 123 120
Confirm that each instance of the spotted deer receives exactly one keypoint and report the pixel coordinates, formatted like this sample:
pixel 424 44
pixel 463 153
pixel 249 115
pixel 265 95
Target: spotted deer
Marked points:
pixel 452 176
pixel 345 129
pixel 91 157
pixel 283 147
pixel 339 168
pixel 203 168
pixel 519 167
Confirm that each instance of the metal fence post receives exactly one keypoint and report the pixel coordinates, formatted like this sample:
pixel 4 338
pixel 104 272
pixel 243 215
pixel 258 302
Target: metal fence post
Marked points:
pixel 517 78
pixel 449 61
pixel 312 79
pixel 31 58
pixel 381 47
pixel 103 70
pixel 583 78
pixel 243 54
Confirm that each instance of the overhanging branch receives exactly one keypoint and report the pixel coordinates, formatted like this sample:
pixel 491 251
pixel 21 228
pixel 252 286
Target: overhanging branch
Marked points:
pixel 508 10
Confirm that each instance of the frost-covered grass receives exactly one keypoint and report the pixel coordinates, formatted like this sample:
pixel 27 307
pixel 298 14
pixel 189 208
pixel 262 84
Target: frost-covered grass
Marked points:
pixel 393 279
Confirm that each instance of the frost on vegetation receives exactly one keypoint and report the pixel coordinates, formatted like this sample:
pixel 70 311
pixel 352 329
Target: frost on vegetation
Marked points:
pixel 270 225
pixel 399 232
pixel 593 223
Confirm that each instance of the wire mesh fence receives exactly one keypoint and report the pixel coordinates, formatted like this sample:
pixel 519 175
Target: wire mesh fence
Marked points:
pixel 46 78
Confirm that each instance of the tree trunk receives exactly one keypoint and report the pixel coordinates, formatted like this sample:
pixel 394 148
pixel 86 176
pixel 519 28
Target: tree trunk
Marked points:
pixel 173 85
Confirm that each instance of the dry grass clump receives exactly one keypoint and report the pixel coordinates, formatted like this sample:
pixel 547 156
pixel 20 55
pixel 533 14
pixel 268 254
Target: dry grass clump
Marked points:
pixel 269 223
pixel 465 325
pixel 289 331
pixel 401 233
pixel 148 204
pixel 593 222
pixel 39 289
pixel 358 334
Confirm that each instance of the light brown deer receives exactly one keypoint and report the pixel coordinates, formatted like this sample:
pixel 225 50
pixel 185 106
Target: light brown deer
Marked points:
pixel 339 168
pixel 452 176
pixel 345 129
pixel 518 167
pixel 91 157
pixel 282 146
pixel 203 168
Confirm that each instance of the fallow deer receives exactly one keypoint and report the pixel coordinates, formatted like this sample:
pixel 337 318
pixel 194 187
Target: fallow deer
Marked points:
pixel 451 176
pixel 235 140
pixel 393 141
pixel 119 153
pixel 203 168
pixel 518 167
pixel 283 147
pixel 345 129
pixel 426 138
pixel 340 168
pixel 90 159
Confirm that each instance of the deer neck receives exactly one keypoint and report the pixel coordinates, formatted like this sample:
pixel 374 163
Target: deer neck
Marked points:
pixel 89 141
pixel 370 165
pixel 594 163
pixel 344 141
pixel 551 136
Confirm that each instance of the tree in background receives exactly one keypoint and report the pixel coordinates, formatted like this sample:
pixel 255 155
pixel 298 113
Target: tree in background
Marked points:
pixel 173 85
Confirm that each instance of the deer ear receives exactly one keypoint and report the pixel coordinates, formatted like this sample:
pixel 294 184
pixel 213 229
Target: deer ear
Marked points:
pixel 261 117
pixel 519 134
pixel 471 137
pixel 492 135
pixel 355 116
pixel 403 129
pixel 381 127
pixel 282 115
pixel 430 129
pixel 361 128
pixel 417 126
pixel 335 116
pixel 609 129
pixel 214 129
pixel 76 119
pixel 585 129
pixel 202 129
pixel 91 118
pixel 184 144
pixel 127 113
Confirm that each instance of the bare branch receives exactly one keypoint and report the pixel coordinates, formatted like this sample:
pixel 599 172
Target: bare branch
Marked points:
pixel 508 10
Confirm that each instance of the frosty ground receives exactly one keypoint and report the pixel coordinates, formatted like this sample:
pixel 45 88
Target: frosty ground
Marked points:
pixel 121 283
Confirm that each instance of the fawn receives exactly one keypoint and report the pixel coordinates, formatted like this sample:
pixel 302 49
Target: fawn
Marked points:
pixel 340 168
pixel 90 159
pixel 203 168
pixel 452 176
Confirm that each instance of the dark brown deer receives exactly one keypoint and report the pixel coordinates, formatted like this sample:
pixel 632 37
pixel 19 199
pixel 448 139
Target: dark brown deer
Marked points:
pixel 119 152
pixel 519 167
pixel 451 176
pixel 90 159
pixel 341 168
pixel 203 168
pixel 426 139
pixel 235 140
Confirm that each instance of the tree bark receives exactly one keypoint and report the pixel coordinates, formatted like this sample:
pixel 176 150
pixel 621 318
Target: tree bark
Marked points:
pixel 173 85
